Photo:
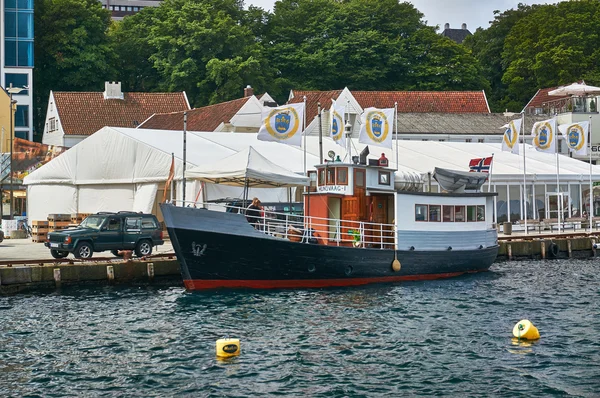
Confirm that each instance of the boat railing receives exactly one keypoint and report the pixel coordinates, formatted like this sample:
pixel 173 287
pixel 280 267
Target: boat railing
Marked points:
pixel 316 230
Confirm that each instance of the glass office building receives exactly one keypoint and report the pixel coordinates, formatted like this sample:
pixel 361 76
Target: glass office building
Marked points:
pixel 16 59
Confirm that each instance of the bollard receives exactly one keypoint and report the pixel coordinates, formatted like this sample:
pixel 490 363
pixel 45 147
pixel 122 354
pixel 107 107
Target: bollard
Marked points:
pixel 57 280
pixel 150 268
pixel 543 249
pixel 110 273
pixel 569 248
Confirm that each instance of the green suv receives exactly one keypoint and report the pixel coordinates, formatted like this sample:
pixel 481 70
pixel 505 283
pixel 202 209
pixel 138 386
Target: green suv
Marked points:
pixel 108 231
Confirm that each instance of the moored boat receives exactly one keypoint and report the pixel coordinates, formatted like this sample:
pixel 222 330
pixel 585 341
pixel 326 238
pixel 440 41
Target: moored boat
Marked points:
pixel 357 221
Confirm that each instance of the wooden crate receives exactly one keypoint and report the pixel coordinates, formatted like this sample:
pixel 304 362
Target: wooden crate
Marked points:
pixel 39 237
pixel 59 217
pixel 39 223
pixel 39 229
pixel 58 224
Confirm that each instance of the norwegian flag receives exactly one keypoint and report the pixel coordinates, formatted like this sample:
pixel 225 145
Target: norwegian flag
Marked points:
pixel 481 165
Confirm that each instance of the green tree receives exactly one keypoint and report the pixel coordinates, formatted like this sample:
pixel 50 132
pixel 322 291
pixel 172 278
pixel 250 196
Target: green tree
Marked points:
pixel 72 50
pixel 130 40
pixel 187 35
pixel 487 46
pixel 364 44
pixel 550 46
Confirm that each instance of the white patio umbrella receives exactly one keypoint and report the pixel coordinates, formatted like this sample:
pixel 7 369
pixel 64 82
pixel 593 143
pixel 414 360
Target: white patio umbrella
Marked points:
pixel 578 89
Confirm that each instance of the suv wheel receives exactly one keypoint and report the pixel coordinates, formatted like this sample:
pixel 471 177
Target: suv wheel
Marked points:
pixel 143 248
pixel 59 253
pixel 83 250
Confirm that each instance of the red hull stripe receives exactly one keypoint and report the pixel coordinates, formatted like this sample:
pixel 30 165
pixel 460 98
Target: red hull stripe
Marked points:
pixel 201 284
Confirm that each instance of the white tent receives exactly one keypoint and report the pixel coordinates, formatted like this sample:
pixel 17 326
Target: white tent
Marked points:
pixel 124 169
pixel 247 168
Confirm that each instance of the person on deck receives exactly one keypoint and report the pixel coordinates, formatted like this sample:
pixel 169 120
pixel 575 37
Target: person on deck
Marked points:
pixel 253 213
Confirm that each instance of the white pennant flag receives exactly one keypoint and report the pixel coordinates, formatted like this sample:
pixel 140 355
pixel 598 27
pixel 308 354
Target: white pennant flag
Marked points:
pixel 282 124
pixel 576 137
pixel 544 135
pixel 377 127
pixel 510 139
pixel 336 124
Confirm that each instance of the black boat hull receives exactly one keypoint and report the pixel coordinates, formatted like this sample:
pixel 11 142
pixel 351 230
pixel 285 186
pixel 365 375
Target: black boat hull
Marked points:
pixel 211 260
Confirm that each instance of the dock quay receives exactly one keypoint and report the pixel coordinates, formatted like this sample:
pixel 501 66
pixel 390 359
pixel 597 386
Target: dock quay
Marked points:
pixel 26 266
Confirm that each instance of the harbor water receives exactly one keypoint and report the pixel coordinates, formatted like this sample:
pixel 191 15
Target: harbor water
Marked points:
pixel 449 337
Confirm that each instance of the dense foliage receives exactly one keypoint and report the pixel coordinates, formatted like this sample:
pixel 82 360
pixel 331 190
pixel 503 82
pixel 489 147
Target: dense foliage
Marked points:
pixel 538 47
pixel 213 48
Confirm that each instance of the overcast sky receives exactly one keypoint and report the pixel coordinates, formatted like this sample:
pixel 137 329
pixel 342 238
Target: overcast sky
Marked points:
pixel 475 13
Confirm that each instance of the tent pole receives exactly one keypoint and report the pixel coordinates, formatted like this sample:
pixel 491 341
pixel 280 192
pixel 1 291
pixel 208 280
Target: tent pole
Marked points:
pixel 184 151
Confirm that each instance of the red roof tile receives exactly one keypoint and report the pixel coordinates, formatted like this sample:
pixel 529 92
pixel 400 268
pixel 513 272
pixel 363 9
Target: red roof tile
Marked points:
pixel 207 118
pixel 425 101
pixel 408 101
pixel 312 101
pixel 541 97
pixel 84 113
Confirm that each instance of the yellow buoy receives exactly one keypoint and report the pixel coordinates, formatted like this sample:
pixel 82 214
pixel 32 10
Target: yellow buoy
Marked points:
pixel 525 330
pixel 228 347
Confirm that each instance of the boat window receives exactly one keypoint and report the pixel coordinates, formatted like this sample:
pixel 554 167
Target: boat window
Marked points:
pixel 322 177
pixel 331 176
pixel 421 213
pixel 459 213
pixel 342 176
pixel 480 213
pixel 435 212
pixel 312 175
pixel 384 178
pixel 448 213
pixel 471 213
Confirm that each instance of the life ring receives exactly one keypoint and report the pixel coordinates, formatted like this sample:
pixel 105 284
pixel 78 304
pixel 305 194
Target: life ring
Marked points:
pixel 553 250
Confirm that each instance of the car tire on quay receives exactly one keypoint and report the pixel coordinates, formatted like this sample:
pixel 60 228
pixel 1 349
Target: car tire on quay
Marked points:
pixel 84 250
pixel 143 248
pixel 59 253
pixel 116 253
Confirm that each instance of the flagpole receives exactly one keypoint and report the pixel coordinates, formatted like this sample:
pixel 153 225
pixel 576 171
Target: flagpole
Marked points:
pixel 490 177
pixel 396 122
pixel 524 174
pixel 304 132
pixel 171 184
pixel 558 198
pixel 591 185
pixel 349 136
pixel 184 151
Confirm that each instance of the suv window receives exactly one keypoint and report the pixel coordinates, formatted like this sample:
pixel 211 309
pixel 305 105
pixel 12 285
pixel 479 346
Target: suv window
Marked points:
pixel 93 222
pixel 133 223
pixel 149 223
pixel 114 224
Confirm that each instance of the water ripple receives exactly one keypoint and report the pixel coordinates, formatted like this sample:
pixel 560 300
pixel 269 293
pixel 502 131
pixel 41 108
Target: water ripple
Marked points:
pixel 446 337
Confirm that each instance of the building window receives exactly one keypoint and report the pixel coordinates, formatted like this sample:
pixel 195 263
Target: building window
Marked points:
pixel 129 8
pixel 22 116
pixel 136 8
pixel 480 140
pixel 18 32
pixel 21 134
pixel 17 80
pixel 468 140
pixel 53 126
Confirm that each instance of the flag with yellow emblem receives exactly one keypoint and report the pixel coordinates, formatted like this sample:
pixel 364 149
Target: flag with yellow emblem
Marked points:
pixel 544 135
pixel 336 124
pixel 510 139
pixel 283 124
pixel 377 127
pixel 576 137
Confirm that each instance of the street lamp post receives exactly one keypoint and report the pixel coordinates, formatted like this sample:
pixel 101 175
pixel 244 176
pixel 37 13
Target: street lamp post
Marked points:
pixel 12 90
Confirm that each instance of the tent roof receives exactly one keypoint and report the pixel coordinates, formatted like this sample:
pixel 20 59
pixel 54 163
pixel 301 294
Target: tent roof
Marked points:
pixel 247 167
pixel 125 155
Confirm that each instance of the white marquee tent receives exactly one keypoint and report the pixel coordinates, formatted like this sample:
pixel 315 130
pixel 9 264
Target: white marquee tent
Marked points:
pixel 124 169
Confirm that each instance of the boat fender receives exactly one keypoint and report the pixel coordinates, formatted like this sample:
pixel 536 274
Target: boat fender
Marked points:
pixel 396 264
pixel 480 247
pixel 524 329
pixel 449 248
pixel 412 248
pixel 595 245
pixel 553 249
pixel 227 348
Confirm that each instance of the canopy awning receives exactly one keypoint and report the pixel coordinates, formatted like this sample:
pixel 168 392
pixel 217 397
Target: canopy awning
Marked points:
pixel 247 168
